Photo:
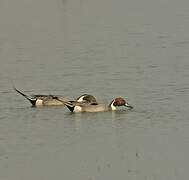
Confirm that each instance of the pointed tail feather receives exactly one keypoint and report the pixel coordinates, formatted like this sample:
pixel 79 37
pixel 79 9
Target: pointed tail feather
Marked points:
pixel 70 106
pixel 69 103
pixel 20 93
pixel 32 100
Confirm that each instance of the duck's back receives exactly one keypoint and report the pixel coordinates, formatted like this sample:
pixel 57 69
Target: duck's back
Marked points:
pixel 54 100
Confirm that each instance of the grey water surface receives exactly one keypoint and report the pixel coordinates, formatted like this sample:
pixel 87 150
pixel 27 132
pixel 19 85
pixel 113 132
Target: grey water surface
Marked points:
pixel 135 49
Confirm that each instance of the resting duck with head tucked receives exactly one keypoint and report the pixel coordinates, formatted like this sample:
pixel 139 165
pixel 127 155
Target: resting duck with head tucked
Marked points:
pixel 54 100
pixel 96 107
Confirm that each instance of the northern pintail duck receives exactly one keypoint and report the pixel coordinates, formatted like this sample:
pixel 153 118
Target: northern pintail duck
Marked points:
pixel 96 107
pixel 54 100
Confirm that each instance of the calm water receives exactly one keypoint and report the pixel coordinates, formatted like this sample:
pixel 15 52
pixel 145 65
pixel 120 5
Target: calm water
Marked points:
pixel 135 49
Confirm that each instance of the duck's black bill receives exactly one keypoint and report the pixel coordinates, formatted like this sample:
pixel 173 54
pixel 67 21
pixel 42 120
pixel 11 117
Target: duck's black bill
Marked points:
pixel 129 106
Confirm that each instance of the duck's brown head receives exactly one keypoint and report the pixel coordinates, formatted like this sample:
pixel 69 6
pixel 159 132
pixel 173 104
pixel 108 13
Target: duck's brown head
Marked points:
pixel 87 98
pixel 119 102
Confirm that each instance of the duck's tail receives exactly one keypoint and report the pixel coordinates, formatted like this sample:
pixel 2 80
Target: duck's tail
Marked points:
pixel 70 105
pixel 29 98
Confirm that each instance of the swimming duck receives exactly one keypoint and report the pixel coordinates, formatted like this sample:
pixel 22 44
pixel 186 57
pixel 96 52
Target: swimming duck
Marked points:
pixel 96 107
pixel 54 100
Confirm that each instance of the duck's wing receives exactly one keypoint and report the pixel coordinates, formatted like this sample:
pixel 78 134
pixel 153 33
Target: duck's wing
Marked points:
pixel 61 98
pixel 52 100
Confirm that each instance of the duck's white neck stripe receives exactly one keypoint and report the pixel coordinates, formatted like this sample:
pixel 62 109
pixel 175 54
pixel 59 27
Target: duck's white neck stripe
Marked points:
pixel 80 99
pixel 112 106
